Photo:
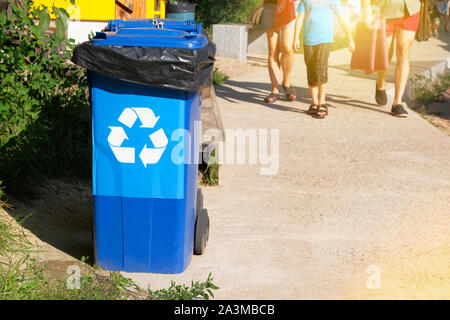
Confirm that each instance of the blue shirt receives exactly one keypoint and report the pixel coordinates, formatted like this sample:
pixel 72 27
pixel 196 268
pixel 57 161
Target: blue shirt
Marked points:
pixel 319 20
pixel 442 6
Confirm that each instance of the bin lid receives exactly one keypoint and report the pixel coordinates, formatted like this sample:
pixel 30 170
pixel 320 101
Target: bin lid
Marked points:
pixel 190 25
pixel 151 37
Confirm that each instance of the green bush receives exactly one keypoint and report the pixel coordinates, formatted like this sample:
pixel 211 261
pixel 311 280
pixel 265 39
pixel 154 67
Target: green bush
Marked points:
pixel 211 12
pixel 210 176
pixel 197 290
pixel 44 111
pixel 219 77
pixel 427 91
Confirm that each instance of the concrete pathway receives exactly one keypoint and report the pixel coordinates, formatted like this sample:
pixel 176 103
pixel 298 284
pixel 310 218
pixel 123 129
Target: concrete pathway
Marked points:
pixel 357 195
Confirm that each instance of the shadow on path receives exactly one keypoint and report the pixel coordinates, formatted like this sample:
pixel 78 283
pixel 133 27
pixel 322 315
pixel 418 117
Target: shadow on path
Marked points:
pixel 255 92
pixel 62 216
pixel 416 67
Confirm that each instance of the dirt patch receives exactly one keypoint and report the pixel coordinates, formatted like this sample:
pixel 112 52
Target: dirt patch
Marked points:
pixel 443 124
pixel 437 113
pixel 57 224
pixel 56 261
pixel 433 102
pixel 60 270
pixel 59 221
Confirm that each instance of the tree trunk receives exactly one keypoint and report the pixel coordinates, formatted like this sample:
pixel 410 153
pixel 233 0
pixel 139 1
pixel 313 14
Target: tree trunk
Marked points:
pixel 2 5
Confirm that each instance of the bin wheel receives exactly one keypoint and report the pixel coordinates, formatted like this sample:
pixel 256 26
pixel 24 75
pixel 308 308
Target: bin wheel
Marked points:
pixel 199 205
pixel 201 235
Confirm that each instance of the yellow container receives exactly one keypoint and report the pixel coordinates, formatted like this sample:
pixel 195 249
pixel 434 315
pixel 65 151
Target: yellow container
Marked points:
pixel 98 10
pixel 151 10
pixel 101 10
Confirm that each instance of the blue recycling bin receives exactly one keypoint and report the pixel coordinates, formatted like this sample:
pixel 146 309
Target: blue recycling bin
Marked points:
pixel 145 160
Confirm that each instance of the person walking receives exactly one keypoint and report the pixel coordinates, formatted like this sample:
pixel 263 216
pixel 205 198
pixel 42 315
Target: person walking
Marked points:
pixel 402 21
pixel 442 8
pixel 318 36
pixel 279 42
pixel 434 17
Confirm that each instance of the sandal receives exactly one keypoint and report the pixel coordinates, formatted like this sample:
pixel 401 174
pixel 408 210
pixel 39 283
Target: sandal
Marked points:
pixel 312 109
pixel 321 112
pixel 271 98
pixel 290 93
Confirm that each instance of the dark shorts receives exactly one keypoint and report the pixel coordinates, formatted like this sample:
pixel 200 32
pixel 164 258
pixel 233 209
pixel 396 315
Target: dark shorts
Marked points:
pixel 316 60
pixel 410 23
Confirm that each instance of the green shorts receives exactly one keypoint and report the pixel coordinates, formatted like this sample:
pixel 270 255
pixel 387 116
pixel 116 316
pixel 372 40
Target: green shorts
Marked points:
pixel 316 60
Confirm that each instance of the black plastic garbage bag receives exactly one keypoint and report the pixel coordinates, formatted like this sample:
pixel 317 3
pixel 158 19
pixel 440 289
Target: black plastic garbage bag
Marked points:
pixel 181 69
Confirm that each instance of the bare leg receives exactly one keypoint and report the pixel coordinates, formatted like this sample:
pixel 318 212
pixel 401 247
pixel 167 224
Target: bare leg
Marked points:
pixel 436 27
pixel 273 59
pixel 314 95
pixel 322 93
pixel 381 76
pixel 404 41
pixel 287 54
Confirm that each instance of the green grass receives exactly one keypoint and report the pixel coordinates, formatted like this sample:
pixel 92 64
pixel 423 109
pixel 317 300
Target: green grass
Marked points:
pixel 256 64
pixel 427 91
pixel 23 277
pixel 219 77
pixel 210 171
pixel 2 194
pixel 10 242
pixel 211 175
pixel 197 290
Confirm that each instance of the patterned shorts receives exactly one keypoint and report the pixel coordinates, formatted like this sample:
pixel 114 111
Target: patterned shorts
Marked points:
pixel 316 60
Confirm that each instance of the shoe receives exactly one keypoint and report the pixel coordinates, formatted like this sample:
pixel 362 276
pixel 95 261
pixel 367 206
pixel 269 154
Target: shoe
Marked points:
pixel 322 112
pixel 380 97
pixel 312 109
pixel 290 93
pixel 271 98
pixel 399 111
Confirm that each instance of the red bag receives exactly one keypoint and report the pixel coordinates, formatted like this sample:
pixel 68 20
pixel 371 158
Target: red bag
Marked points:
pixel 285 13
pixel 371 52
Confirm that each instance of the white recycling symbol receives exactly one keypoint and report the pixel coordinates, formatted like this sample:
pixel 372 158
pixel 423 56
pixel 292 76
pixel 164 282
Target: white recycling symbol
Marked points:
pixel 118 135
